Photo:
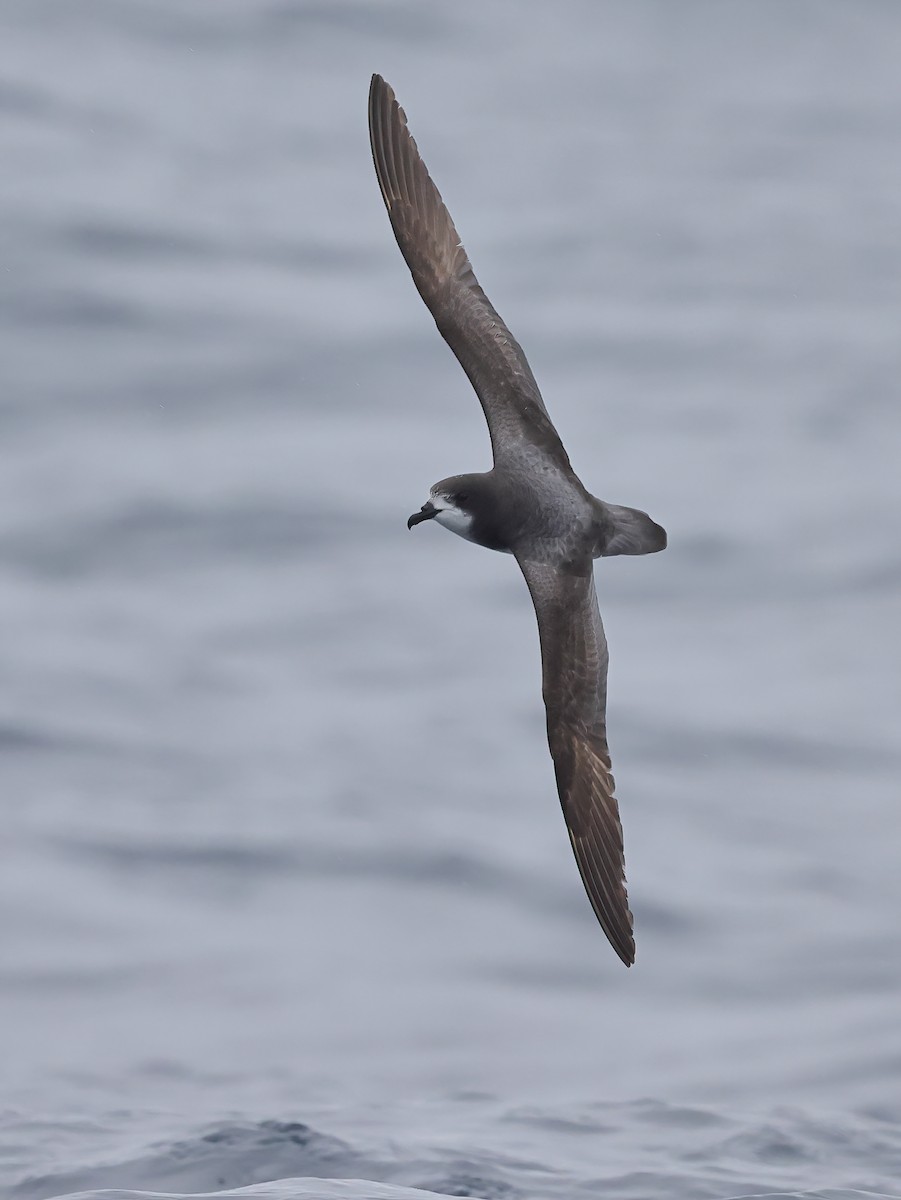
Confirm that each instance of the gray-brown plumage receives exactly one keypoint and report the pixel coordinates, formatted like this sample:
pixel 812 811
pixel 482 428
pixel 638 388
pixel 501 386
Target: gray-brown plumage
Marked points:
pixel 531 504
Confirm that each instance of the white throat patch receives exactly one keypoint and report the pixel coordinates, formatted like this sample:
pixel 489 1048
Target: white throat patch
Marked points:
pixel 453 518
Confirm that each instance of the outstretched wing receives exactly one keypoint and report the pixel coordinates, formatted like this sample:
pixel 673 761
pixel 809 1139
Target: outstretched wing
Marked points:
pixel 489 354
pixel 574 675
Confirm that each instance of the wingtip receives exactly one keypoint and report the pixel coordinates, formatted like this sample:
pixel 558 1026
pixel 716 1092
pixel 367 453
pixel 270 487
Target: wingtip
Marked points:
pixel 622 942
pixel 614 917
pixel 378 85
pixel 620 938
pixel 627 953
pixel 375 83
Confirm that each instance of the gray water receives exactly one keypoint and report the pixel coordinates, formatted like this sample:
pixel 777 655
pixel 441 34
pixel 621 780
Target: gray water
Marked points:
pixel 286 893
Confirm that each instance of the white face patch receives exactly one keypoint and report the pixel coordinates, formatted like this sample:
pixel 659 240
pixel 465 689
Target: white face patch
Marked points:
pixel 451 517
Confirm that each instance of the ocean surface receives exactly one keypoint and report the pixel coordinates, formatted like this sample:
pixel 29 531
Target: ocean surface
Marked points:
pixel 287 906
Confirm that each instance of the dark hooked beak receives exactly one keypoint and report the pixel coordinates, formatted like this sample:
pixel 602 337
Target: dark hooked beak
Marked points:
pixel 426 513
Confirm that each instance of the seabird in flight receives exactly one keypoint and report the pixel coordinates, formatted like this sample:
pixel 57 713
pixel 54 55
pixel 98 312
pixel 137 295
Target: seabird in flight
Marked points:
pixel 531 504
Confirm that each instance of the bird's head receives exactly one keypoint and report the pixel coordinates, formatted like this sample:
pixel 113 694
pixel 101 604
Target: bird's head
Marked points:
pixel 452 503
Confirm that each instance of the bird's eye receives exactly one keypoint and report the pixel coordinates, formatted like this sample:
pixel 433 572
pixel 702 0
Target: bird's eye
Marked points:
pixel 462 498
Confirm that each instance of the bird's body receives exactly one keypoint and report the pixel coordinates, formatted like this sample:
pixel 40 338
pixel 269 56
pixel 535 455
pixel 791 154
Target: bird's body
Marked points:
pixel 531 505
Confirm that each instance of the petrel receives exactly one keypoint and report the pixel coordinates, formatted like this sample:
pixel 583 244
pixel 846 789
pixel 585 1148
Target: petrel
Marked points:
pixel 531 504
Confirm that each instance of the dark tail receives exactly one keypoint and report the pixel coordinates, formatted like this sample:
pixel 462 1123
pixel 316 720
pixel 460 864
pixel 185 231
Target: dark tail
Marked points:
pixel 631 532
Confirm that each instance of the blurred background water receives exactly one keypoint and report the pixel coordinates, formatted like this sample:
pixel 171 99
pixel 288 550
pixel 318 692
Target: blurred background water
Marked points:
pixel 286 894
